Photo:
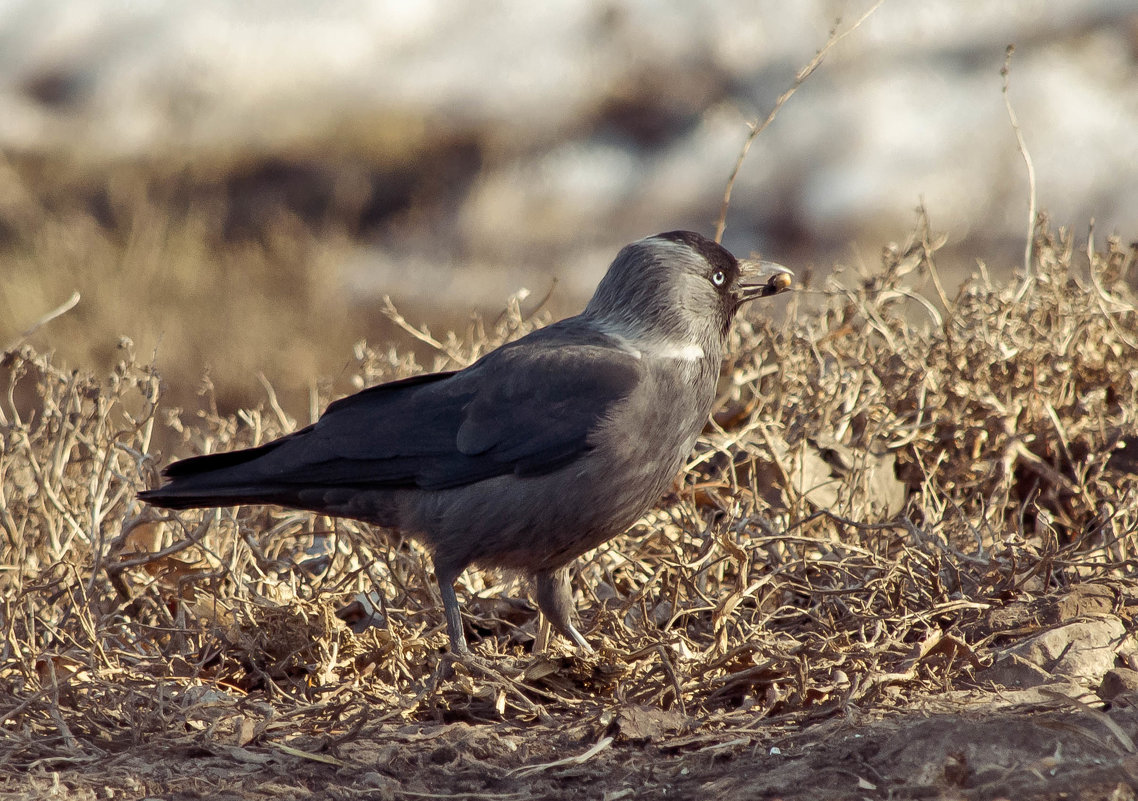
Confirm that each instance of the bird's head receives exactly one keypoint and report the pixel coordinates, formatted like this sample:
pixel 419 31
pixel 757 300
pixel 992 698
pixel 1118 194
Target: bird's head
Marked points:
pixel 680 287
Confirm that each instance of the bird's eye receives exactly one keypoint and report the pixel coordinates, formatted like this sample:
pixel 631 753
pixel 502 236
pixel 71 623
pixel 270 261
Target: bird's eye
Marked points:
pixel 718 277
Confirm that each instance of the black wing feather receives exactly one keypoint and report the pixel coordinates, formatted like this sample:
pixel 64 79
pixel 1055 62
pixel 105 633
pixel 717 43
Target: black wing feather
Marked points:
pixel 520 410
pixel 527 408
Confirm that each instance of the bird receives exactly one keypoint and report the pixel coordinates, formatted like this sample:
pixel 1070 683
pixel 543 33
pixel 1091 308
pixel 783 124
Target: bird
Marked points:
pixel 536 453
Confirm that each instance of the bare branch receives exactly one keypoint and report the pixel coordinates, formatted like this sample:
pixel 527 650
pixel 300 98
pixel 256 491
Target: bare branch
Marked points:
pixel 1028 276
pixel 756 128
pixel 58 311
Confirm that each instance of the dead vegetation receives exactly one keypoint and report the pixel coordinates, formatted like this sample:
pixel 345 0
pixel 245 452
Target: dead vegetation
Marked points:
pixel 903 490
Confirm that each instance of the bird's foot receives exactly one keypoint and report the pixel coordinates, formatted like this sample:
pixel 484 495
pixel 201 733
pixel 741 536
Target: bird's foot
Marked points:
pixel 455 662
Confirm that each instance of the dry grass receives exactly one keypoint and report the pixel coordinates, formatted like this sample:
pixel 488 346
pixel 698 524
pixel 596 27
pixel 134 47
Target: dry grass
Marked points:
pixel 883 473
pixel 174 260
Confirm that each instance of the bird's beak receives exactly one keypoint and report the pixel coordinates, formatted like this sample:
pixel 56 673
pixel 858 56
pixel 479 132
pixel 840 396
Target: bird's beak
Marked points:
pixel 761 279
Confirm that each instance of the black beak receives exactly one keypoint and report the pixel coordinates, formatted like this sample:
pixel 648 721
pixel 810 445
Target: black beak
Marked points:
pixel 761 279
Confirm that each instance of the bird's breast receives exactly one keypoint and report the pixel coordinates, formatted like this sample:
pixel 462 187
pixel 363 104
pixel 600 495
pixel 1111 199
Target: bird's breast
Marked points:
pixel 650 434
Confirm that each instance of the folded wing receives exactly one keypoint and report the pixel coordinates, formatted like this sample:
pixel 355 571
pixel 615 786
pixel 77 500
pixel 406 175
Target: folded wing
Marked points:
pixel 526 409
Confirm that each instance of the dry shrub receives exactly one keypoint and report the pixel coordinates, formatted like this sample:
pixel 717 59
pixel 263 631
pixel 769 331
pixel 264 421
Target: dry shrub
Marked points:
pixel 883 472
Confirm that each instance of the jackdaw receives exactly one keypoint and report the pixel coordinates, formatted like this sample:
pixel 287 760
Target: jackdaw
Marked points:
pixel 539 451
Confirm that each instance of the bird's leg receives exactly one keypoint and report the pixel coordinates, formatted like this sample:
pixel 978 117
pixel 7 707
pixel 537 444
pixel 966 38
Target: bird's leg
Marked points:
pixel 555 600
pixel 459 651
pixel 451 611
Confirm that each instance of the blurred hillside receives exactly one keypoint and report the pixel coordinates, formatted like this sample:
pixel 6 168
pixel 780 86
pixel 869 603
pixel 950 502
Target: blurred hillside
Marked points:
pixel 235 186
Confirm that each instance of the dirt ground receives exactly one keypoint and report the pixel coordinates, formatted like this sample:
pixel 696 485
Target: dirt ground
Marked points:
pixel 1035 744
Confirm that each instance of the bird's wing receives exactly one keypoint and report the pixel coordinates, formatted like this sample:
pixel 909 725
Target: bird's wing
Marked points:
pixel 524 410
pixel 285 456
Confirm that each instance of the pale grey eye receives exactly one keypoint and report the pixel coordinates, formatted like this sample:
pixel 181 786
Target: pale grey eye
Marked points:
pixel 718 278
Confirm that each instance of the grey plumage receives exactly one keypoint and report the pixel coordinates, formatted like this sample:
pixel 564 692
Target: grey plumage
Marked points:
pixel 536 453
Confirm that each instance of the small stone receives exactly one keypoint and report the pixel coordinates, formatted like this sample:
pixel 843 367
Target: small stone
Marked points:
pixel 1119 682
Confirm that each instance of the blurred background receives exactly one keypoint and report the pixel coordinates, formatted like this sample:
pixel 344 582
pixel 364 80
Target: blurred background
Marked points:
pixel 235 186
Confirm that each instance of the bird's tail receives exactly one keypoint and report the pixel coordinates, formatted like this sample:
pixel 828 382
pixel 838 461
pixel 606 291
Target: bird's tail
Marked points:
pixel 216 479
